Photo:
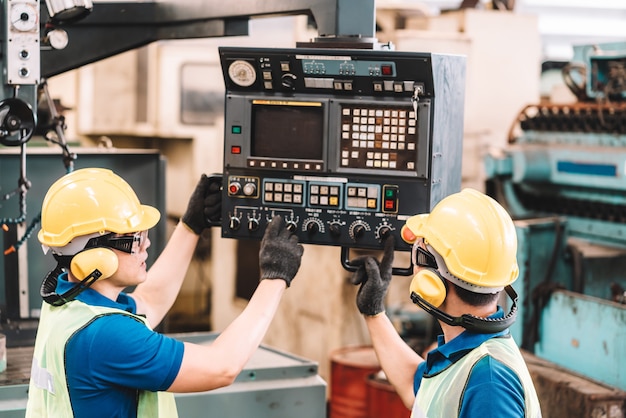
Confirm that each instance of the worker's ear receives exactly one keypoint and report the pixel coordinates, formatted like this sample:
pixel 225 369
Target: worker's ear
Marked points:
pixel 429 285
pixel 101 259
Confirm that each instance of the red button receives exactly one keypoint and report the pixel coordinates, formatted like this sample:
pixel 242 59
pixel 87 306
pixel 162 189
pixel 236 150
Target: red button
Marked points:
pixel 235 149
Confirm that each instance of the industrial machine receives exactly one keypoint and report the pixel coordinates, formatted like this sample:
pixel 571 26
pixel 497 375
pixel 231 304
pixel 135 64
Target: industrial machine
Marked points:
pixel 562 177
pixel 345 144
pixel 341 136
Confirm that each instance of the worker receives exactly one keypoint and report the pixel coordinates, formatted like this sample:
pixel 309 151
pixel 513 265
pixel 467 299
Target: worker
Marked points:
pixel 464 256
pixel 96 354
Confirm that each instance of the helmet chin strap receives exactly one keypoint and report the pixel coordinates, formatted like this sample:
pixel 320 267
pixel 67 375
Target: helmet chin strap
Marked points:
pixel 470 322
pixel 49 284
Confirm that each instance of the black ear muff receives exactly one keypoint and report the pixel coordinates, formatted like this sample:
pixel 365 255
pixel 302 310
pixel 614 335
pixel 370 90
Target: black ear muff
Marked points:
pixel 101 259
pixel 428 285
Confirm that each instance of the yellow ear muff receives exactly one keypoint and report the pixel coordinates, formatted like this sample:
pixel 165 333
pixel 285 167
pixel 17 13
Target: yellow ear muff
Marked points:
pixel 102 259
pixel 429 286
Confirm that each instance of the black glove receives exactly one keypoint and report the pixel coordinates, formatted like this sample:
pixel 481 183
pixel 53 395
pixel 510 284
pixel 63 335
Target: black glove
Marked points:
pixel 280 254
pixel 205 205
pixel 374 279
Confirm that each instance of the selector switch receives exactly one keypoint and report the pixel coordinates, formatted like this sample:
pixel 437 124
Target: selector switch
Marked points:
pixel 335 229
pixel 253 224
pixel 234 223
pixel 292 226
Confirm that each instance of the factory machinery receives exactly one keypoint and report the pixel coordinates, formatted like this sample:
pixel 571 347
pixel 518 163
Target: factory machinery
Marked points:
pixel 341 136
pixel 563 178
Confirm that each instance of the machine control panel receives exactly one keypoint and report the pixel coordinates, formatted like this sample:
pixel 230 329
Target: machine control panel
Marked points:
pixel 344 144
pixel 22 42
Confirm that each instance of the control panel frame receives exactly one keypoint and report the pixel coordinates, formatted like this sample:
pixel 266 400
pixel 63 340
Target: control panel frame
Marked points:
pixel 391 126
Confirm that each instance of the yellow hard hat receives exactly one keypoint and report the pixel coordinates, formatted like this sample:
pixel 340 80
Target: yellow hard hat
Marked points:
pixel 474 235
pixel 88 201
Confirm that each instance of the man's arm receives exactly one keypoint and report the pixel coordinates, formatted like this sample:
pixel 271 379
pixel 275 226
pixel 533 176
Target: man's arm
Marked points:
pixel 397 359
pixel 207 367
pixel 157 294
pixel 217 365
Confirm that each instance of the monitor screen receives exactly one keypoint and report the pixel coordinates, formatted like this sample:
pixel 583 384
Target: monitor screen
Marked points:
pixel 290 130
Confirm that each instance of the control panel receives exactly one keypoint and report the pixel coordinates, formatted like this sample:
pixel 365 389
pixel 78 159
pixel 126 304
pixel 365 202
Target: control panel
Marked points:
pixel 344 144
pixel 21 42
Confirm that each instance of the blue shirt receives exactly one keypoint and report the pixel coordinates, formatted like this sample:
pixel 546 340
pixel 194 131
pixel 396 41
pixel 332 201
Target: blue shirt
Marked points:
pixel 113 357
pixel 493 389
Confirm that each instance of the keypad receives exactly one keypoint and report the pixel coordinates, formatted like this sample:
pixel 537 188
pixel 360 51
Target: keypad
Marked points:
pixel 280 191
pixel 379 138
pixel 324 195
pixel 362 197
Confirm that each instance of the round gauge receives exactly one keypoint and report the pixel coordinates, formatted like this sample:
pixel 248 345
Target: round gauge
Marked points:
pixel 242 73
pixel 23 17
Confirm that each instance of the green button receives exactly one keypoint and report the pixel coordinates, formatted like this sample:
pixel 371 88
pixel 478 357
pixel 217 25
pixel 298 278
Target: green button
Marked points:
pixel 235 129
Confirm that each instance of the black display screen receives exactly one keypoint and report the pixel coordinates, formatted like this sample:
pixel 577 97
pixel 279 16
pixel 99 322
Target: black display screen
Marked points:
pixel 291 131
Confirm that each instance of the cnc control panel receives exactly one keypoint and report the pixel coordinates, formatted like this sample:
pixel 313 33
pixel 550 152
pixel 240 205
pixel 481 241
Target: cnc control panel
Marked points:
pixel 344 144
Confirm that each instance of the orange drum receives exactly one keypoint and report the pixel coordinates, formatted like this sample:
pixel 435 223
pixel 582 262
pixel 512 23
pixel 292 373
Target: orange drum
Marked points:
pixel 383 401
pixel 350 367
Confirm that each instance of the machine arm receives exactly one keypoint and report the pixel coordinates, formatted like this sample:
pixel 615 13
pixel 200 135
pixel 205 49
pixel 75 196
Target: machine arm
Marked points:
pixel 116 27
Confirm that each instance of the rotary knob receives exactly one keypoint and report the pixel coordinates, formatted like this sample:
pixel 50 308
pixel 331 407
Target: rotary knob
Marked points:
pixel 335 228
pixel 313 225
pixel 288 81
pixel 358 229
pixel 382 231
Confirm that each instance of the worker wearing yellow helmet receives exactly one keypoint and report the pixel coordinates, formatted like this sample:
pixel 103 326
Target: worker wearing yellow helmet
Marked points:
pixel 96 354
pixel 464 256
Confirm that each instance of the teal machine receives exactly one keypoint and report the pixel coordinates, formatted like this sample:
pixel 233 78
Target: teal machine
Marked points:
pixel 563 178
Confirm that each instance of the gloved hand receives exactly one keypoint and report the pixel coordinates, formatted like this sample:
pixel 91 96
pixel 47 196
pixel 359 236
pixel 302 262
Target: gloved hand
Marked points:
pixel 280 254
pixel 205 205
pixel 374 279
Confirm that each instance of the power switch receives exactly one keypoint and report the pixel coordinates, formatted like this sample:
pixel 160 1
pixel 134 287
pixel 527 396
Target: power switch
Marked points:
pixel 390 199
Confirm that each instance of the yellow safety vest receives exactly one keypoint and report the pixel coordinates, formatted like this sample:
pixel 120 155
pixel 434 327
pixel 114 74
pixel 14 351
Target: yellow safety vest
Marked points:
pixel 48 395
pixel 439 396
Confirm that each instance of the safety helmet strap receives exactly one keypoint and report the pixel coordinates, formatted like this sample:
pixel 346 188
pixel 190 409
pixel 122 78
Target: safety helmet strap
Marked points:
pixel 472 323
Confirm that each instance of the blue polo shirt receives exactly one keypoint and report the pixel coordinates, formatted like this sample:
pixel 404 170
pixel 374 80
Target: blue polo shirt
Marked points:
pixel 113 357
pixel 493 389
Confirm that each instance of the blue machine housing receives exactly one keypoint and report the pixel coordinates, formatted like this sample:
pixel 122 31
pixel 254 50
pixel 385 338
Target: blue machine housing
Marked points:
pixel 563 179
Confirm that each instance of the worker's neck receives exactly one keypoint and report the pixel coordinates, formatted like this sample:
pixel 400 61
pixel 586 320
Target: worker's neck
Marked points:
pixel 454 306
pixel 106 288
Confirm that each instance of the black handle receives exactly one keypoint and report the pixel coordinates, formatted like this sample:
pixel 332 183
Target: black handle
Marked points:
pixel 396 271
pixel 215 178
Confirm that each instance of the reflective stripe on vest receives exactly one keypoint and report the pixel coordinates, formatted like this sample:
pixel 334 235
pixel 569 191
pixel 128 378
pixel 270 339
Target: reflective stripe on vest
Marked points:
pixel 48 395
pixel 439 396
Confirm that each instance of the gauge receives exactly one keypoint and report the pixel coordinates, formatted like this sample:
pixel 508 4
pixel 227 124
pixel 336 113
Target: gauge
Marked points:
pixel 23 17
pixel 242 73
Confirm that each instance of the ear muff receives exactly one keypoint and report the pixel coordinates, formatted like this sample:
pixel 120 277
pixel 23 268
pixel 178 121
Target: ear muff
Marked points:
pixel 428 285
pixel 86 262
pixel 407 235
